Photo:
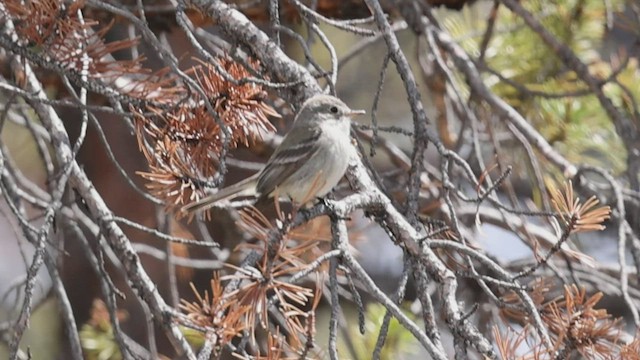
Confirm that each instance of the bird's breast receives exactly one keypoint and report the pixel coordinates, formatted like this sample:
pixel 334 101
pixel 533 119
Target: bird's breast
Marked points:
pixel 326 167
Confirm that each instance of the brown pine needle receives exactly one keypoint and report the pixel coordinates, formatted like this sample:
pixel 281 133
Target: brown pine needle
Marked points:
pixel 577 216
pixel 183 143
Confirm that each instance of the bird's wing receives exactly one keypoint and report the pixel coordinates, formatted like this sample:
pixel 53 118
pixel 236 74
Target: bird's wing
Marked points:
pixel 297 147
pixel 245 187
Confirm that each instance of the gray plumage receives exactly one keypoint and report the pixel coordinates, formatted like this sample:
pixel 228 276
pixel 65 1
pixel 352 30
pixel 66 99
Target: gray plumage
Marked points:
pixel 309 162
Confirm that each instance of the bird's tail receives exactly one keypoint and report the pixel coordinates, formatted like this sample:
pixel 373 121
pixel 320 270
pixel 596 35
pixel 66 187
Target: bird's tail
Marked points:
pixel 246 187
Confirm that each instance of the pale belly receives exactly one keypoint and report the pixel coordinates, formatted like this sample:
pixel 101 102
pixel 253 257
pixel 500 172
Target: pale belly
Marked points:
pixel 323 172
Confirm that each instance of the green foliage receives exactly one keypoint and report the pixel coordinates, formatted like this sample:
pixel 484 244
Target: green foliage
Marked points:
pixel 99 343
pixel 399 342
pixel 96 335
pixel 575 124
pixel 195 338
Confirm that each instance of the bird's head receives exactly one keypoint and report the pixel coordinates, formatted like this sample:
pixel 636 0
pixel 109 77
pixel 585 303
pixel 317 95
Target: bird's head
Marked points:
pixel 326 107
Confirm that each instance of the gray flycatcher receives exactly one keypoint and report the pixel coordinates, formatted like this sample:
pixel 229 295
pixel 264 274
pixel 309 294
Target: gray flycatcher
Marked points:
pixel 309 162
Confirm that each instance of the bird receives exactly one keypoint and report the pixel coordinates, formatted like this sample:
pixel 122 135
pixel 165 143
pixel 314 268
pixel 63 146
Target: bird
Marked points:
pixel 309 162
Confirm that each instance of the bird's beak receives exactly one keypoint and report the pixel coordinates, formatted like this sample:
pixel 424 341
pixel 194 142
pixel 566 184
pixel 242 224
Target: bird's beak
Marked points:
pixel 356 112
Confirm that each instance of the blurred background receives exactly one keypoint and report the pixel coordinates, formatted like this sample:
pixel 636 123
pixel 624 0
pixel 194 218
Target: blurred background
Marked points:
pixel 605 35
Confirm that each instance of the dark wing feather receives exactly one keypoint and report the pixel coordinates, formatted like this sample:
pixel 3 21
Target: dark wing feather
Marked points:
pixel 297 147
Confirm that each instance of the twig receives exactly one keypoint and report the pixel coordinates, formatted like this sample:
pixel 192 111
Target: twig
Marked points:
pixel 420 120
pixel 113 234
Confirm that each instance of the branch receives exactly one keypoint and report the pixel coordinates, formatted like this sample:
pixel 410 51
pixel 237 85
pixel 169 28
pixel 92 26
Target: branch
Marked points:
pixel 114 235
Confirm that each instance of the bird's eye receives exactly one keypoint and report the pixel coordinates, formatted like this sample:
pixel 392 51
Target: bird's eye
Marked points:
pixel 334 109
